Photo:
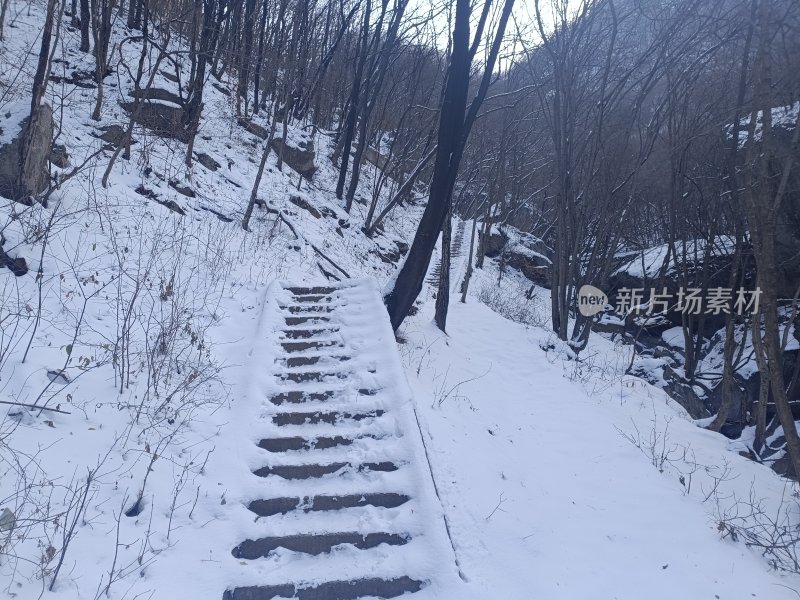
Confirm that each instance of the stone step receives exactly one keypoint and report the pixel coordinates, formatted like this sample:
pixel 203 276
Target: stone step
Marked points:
pixel 303 418
pixel 300 291
pixel 315 543
pixel 316 345
pixel 302 320
pixel 297 396
pixel 279 506
pixel 313 376
pixel 331 590
pixel 312 471
pixel 286 444
pixel 300 334
pixel 307 361
pixel 312 308
pixel 308 297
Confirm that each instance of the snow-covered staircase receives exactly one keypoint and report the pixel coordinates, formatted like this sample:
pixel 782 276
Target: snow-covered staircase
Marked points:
pixel 346 508
pixel 456 253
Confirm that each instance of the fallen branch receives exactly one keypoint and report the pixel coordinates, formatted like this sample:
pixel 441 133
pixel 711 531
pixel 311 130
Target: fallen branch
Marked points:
pixel 63 412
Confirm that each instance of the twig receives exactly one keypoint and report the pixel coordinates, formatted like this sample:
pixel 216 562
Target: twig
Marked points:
pixel 496 508
pixel 69 535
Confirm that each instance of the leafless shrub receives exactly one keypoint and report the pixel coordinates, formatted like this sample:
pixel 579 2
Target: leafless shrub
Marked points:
pixel 511 300
pixel 773 531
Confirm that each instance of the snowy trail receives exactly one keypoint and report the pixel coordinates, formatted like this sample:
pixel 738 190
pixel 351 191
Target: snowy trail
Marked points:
pixel 344 507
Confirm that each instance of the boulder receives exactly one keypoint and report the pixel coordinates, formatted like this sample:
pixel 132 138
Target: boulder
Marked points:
pixel 300 157
pixel 254 128
pixel 208 162
pixel 391 254
pixel 494 244
pixel 113 135
pixel 184 190
pixel 301 202
pixel 158 94
pixel 59 156
pixel 16 184
pixel 162 119
pixel 17 266
pixel 535 268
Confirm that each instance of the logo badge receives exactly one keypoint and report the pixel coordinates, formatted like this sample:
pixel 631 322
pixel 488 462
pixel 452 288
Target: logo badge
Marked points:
pixel 591 300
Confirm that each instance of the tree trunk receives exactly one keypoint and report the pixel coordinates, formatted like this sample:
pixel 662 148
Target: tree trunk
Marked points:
pixel 762 203
pixel 454 130
pixel 352 114
pixel 451 124
pixel 28 173
pixel 443 293
pixel 254 192
pixel 468 276
pixel 85 18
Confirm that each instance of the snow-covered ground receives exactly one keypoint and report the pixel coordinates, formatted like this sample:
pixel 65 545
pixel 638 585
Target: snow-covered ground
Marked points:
pixel 547 496
pixel 157 321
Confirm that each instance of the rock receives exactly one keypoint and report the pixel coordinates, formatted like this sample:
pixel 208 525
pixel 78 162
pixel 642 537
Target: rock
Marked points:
pixel 113 134
pixel 300 158
pixel 157 94
pixel 535 268
pixel 208 162
pixel 147 193
pixel 58 376
pixel 374 157
pixel 392 255
pixel 82 78
pixel 172 205
pixel 59 156
pixel 151 195
pixel 253 128
pixel 683 394
pixel 170 76
pixel 494 244
pixel 182 189
pixel 221 89
pixel 609 324
pixel 16 185
pixel 162 119
pixel 301 202
pixel 8 520
pixel 18 266
pixel 222 217
pixel 328 212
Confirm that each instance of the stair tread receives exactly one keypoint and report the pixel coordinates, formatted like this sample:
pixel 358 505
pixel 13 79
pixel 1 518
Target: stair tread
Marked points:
pixel 331 590
pixel 331 417
pixel 311 471
pixel 316 543
pixel 277 506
